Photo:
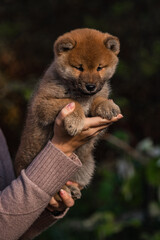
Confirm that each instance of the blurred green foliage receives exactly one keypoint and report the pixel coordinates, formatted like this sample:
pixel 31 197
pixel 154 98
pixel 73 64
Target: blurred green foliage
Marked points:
pixel 123 201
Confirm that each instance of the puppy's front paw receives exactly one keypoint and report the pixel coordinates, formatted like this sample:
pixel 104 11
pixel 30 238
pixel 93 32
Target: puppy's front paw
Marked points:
pixel 74 123
pixel 108 109
pixel 75 192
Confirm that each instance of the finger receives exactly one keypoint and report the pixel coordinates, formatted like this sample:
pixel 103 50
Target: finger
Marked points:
pixel 53 203
pixel 94 122
pixel 64 112
pixel 92 132
pixel 114 119
pixel 66 198
pixel 56 205
pixel 98 121
pixel 61 207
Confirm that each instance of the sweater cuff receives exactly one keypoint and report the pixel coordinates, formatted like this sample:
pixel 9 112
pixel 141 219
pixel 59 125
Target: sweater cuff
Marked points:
pixel 51 169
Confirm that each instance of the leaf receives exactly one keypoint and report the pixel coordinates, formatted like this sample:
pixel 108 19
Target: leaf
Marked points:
pixel 153 172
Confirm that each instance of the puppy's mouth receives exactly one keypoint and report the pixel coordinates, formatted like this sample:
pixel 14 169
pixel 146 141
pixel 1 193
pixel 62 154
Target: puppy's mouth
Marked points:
pixel 89 89
pixel 88 92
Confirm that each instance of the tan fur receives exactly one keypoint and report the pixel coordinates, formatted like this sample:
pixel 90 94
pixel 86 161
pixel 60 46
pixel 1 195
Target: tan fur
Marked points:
pixel 85 59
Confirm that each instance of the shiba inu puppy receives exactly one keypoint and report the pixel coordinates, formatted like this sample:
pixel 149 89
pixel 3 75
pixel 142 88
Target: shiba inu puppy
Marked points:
pixel 84 61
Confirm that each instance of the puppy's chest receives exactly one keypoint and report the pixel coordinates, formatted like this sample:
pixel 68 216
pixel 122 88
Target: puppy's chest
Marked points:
pixel 84 101
pixel 86 105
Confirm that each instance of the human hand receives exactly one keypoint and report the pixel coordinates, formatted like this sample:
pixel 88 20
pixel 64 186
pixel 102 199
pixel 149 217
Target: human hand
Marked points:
pixel 92 126
pixel 66 200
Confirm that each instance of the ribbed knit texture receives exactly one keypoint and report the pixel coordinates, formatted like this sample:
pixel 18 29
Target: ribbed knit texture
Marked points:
pixel 52 168
pixel 23 201
pixel 45 220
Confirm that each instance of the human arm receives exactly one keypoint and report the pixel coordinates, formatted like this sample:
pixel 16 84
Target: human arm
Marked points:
pixel 68 144
pixel 25 198
pixel 48 216
pixel 23 203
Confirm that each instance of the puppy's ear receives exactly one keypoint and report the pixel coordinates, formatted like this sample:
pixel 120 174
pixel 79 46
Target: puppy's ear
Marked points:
pixel 112 43
pixel 63 44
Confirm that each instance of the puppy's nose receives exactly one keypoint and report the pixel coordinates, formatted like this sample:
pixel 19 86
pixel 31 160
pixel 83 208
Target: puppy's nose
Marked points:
pixel 90 87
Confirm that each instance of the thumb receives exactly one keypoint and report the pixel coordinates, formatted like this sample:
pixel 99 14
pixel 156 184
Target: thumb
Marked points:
pixel 69 108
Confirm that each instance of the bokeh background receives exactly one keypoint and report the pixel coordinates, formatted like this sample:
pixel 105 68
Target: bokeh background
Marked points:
pixel 123 201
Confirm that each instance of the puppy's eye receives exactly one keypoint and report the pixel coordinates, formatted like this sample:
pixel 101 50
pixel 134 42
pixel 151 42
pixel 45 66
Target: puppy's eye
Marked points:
pixel 80 68
pixel 99 68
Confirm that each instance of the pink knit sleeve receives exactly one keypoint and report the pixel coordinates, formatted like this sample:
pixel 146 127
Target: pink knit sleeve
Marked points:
pixel 26 198
pixel 43 222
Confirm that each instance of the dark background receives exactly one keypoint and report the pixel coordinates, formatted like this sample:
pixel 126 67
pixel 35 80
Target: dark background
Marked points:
pixel 123 200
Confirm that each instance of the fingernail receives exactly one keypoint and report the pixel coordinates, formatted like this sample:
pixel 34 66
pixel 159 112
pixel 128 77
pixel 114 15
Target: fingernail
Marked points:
pixel 120 116
pixel 62 192
pixel 70 106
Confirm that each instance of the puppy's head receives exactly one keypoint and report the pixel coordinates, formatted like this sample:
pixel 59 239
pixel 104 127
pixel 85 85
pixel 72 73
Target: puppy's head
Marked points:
pixel 86 58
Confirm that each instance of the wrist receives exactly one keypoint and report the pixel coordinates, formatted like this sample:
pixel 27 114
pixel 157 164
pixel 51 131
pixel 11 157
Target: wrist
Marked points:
pixel 62 148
